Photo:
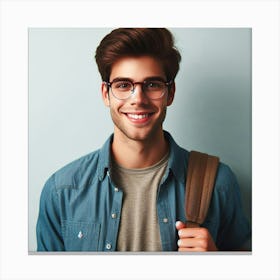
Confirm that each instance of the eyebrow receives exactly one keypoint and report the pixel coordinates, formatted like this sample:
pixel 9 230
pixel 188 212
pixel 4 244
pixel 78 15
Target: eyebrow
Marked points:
pixel 157 78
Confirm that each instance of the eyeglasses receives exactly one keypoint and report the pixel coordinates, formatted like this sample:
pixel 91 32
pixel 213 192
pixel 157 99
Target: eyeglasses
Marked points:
pixel 123 88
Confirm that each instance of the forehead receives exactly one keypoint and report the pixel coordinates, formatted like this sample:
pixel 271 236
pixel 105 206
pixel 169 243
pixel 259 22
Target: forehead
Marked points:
pixel 137 68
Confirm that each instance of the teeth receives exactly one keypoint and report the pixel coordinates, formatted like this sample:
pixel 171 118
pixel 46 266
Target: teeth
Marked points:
pixel 137 117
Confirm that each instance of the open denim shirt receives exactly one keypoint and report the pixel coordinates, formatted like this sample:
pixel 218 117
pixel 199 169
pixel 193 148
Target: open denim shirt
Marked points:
pixel 80 207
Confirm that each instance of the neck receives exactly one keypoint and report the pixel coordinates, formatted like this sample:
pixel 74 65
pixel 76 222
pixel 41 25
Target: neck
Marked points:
pixel 135 154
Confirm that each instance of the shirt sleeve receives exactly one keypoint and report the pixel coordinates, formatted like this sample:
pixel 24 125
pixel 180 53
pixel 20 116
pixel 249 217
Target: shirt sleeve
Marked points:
pixel 48 229
pixel 234 230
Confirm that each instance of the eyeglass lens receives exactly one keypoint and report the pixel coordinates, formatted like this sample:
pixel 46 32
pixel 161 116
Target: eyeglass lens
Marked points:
pixel 153 89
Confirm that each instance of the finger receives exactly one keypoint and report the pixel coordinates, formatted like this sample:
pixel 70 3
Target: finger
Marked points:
pixel 193 232
pixel 190 249
pixel 180 225
pixel 189 245
pixel 192 243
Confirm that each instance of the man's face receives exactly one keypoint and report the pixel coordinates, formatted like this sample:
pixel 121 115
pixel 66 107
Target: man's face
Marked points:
pixel 138 117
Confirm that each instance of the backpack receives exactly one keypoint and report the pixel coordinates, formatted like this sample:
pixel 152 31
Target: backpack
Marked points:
pixel 201 174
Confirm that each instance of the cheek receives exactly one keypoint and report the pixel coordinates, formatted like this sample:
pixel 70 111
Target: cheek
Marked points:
pixel 164 103
pixel 115 105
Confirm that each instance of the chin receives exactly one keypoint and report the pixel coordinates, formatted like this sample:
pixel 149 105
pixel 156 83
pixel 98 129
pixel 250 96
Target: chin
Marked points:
pixel 141 135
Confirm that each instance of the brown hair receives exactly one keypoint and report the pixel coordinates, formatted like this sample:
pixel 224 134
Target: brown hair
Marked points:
pixel 121 42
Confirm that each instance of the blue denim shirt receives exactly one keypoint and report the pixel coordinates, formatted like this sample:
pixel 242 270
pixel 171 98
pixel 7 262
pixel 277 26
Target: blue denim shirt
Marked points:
pixel 80 207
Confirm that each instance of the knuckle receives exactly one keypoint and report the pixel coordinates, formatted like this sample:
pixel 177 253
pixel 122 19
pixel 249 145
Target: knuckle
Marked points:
pixel 203 231
pixel 203 243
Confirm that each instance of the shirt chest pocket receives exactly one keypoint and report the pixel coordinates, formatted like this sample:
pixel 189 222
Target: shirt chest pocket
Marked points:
pixel 80 236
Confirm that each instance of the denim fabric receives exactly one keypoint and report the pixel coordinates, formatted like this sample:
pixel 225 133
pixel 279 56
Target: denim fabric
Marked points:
pixel 80 207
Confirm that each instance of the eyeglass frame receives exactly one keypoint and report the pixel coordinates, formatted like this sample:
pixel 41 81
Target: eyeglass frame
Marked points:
pixel 167 84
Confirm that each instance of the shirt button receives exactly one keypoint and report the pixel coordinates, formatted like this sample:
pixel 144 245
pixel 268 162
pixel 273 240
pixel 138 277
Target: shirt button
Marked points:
pixel 114 215
pixel 165 220
pixel 116 189
pixel 108 246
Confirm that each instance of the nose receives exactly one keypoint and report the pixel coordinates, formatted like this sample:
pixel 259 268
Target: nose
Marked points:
pixel 138 96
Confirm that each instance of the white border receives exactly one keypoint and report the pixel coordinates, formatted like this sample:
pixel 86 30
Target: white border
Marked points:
pixel 17 16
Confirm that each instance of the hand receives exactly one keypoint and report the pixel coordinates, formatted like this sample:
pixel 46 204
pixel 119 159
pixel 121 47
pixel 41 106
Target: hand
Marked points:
pixel 194 239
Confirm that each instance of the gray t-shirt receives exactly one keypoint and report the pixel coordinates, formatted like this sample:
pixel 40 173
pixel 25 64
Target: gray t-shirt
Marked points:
pixel 139 229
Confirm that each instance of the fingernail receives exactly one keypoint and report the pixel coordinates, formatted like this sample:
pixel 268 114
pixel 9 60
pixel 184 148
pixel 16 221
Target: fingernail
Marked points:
pixel 179 242
pixel 179 223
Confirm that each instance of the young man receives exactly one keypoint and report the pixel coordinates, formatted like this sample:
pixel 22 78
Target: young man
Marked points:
pixel 129 195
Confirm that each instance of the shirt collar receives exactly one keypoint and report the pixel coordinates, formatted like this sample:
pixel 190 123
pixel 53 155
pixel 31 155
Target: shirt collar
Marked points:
pixel 177 162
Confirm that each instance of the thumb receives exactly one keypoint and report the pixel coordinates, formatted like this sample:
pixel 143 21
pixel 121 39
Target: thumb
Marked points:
pixel 180 225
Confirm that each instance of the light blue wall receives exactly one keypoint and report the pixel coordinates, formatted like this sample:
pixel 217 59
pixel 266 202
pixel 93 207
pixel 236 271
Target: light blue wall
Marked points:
pixel 67 119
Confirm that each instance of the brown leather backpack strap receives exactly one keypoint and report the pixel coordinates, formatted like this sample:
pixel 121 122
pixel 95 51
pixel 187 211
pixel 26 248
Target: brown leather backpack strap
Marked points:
pixel 201 174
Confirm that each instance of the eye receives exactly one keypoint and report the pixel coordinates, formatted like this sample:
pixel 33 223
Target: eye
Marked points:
pixel 122 85
pixel 154 85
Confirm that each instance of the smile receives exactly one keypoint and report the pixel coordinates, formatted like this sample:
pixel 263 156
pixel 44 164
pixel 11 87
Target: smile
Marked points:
pixel 138 116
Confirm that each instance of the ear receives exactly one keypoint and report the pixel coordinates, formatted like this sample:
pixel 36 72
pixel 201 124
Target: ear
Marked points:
pixel 171 94
pixel 105 94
